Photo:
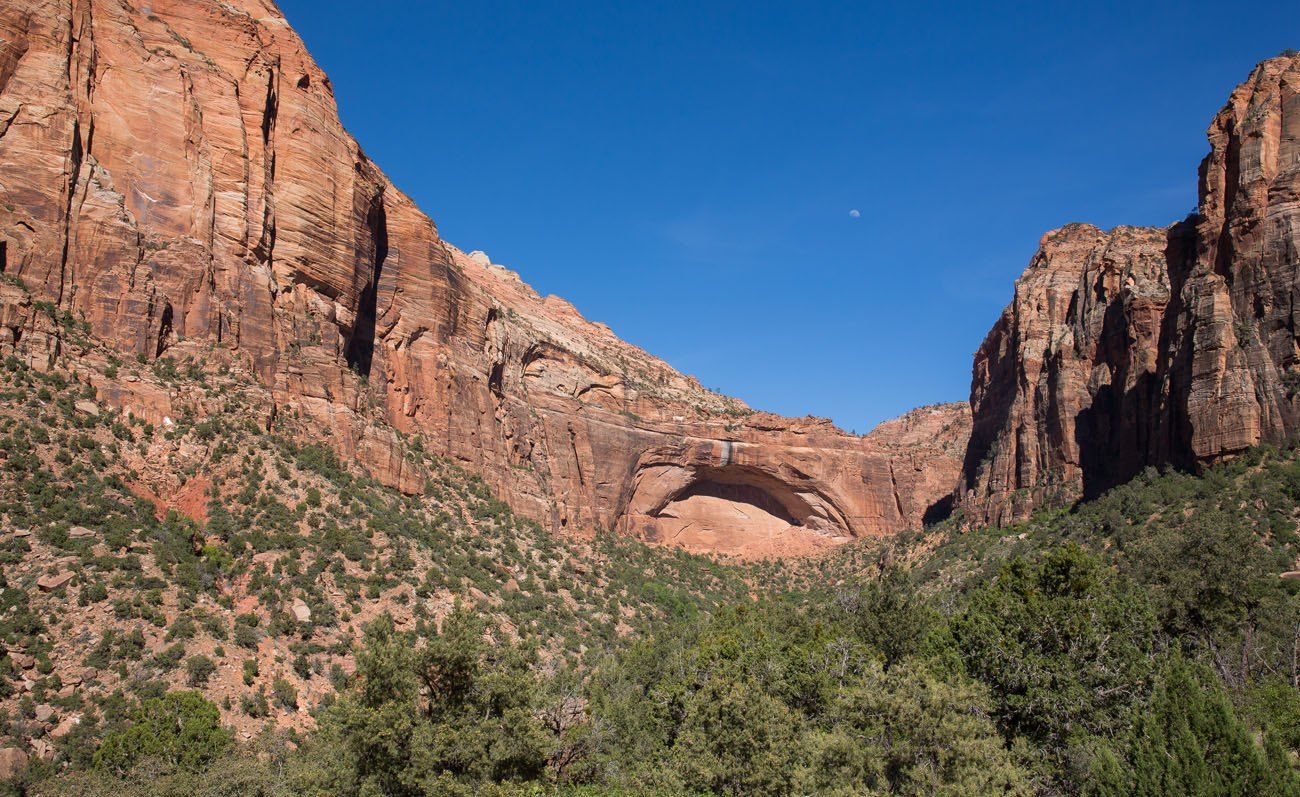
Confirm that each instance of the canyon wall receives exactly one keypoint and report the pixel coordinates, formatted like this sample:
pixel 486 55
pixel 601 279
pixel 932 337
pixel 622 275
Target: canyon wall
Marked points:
pixel 1140 346
pixel 174 176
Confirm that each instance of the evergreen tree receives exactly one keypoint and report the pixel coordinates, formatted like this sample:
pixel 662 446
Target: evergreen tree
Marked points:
pixel 180 731
pixel 445 718
pixel 1187 740
pixel 1065 645
pixel 888 613
pixel 908 732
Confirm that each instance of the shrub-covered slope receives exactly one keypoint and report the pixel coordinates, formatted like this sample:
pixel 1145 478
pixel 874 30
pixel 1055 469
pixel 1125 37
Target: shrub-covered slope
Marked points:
pixel 215 604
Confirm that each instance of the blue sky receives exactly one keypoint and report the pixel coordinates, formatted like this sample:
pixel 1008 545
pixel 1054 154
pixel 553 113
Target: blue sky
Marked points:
pixel 685 171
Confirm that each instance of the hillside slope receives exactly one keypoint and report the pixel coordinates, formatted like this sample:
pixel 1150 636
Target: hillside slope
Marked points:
pixel 221 546
pixel 223 561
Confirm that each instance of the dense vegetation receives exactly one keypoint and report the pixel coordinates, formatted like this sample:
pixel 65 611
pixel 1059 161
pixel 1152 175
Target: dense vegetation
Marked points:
pixel 1143 643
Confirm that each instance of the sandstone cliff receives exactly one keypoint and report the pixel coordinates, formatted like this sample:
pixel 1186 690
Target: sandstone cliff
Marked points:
pixel 175 176
pixel 1140 347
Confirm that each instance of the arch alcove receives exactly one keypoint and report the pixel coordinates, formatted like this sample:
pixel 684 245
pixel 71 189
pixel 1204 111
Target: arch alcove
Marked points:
pixel 738 510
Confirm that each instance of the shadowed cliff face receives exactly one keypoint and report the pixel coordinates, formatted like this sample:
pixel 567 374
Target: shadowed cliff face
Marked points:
pixel 175 174
pixel 1142 346
pixel 1066 387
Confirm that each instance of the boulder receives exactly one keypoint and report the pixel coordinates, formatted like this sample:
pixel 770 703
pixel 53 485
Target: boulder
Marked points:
pixel 67 726
pixel 13 763
pixel 54 581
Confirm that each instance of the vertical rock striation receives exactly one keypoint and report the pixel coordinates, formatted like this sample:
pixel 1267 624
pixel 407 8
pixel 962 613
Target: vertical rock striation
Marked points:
pixel 174 174
pixel 1140 347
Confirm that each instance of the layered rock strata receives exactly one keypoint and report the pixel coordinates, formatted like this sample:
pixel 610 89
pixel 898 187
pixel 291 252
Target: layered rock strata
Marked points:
pixel 174 175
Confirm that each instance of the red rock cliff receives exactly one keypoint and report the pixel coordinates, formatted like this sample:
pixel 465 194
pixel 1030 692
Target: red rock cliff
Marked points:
pixel 1140 347
pixel 175 174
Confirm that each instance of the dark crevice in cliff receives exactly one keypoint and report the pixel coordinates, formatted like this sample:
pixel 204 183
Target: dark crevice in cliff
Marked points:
pixel 1099 289
pixel 451 327
pixel 577 458
pixel 496 373
pixel 1172 436
pixel 7 123
pixel 270 110
pixel 495 379
pixel 1223 254
pixel 939 511
pixel 1099 432
pixel 265 248
pixel 893 489
pixel 164 330
pixel 1110 431
pixel 77 157
pixel 361 347
pixel 264 251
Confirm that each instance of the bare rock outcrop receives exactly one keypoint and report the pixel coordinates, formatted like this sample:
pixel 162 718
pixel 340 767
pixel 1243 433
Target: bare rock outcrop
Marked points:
pixel 802 488
pixel 1139 347
pixel 1233 341
pixel 1066 383
pixel 174 175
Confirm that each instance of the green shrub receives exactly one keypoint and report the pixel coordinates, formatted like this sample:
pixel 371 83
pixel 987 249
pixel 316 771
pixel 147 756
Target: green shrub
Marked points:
pixel 247 636
pixel 286 696
pixel 1187 740
pixel 199 669
pixel 1066 646
pixel 181 730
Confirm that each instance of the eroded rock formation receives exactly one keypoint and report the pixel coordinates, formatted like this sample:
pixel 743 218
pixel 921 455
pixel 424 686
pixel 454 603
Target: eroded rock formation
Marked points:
pixel 174 175
pixel 804 488
pixel 1066 384
pixel 1152 346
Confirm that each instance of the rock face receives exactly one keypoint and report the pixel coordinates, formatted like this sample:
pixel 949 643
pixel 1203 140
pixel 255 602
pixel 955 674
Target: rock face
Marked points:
pixel 1066 383
pixel 174 176
pixel 1140 347
pixel 805 487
